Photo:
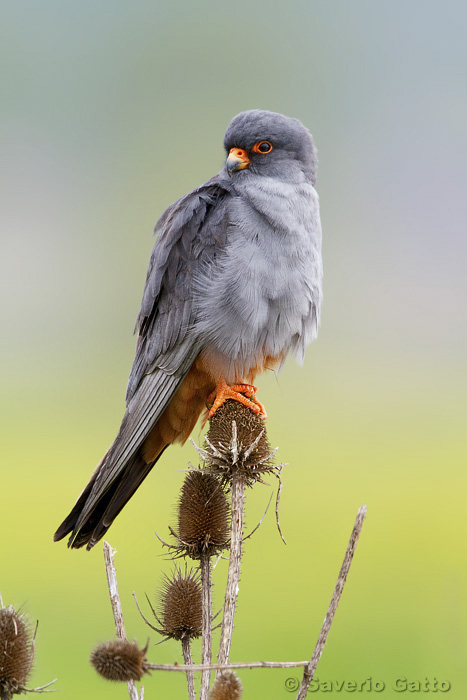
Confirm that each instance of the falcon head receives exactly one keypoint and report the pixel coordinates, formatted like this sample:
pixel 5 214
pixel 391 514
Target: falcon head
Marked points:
pixel 270 144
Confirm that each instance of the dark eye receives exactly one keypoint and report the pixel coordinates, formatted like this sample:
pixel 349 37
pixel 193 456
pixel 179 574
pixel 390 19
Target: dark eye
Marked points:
pixel 262 147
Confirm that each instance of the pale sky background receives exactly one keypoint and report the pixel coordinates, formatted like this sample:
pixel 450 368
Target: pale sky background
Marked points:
pixel 110 111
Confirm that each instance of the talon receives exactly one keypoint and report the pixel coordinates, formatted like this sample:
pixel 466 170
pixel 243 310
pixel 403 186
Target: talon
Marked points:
pixel 243 393
pixel 247 389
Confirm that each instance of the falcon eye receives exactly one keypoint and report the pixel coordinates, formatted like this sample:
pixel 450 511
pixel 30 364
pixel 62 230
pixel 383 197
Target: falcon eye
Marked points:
pixel 262 147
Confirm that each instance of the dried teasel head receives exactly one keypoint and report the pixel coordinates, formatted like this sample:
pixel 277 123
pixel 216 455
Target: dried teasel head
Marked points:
pixel 181 610
pixel 16 651
pixel 120 660
pixel 227 686
pixel 236 443
pixel 203 510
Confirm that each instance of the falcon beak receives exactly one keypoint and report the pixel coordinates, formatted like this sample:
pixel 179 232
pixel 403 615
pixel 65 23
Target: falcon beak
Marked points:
pixel 237 160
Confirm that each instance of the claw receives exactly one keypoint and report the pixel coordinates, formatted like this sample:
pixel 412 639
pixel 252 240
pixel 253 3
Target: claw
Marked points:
pixel 243 393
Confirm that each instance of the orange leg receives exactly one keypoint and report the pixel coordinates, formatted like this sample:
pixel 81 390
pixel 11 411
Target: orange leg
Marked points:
pixel 243 393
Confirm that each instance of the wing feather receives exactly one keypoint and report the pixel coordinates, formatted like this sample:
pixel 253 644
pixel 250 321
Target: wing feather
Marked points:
pixel 191 234
pixel 136 424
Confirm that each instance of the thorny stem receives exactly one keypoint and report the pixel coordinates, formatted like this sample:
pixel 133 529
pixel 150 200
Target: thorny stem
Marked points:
pixel 233 577
pixel 206 654
pixel 225 667
pixel 190 676
pixel 323 635
pixel 117 608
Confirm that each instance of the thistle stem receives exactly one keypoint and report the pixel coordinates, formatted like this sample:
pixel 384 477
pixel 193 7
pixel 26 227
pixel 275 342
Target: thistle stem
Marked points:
pixel 190 676
pixel 233 578
pixel 336 596
pixel 117 607
pixel 206 653
pixel 226 667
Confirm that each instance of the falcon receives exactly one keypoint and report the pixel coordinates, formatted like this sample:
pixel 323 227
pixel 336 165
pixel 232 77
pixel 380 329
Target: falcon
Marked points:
pixel 234 285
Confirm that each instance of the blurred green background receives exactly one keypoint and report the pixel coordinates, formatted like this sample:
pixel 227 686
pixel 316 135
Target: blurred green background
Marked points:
pixel 112 110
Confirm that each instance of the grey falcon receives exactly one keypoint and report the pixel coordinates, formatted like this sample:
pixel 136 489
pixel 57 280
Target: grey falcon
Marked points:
pixel 234 285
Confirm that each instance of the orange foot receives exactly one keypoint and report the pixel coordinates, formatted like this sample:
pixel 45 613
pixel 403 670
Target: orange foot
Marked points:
pixel 244 393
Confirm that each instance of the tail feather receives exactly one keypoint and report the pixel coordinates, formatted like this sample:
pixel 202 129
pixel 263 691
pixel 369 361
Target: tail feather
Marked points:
pixel 70 521
pixel 123 468
pixel 165 409
pixel 133 477
pixel 106 507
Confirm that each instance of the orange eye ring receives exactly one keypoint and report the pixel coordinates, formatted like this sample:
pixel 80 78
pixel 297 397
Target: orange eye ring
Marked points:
pixel 262 147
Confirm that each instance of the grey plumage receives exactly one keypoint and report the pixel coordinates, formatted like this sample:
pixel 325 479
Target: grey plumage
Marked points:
pixel 191 235
pixel 234 276
pixel 267 283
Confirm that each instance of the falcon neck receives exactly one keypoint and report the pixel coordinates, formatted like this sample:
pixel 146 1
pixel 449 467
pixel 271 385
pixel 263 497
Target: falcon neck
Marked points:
pixel 285 206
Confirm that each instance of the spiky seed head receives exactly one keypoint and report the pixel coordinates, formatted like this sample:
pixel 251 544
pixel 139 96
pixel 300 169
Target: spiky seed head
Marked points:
pixel 119 660
pixel 181 605
pixel 237 443
pixel 203 515
pixel 249 426
pixel 227 686
pixel 16 650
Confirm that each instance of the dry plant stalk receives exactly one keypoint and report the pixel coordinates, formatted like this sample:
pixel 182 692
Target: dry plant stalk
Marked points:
pixel 238 454
pixel 311 667
pixel 206 651
pixel 120 631
pixel 203 530
pixel 182 615
pixel 227 667
pixel 190 676
pixel 237 506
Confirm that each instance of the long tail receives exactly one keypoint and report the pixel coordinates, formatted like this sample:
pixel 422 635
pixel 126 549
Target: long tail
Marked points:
pixel 164 410
pixel 125 465
pixel 106 507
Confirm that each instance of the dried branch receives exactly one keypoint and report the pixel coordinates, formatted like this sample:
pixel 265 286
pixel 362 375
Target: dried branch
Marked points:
pixel 42 688
pixel 117 608
pixel 278 498
pixel 238 452
pixel 309 666
pixel 206 653
pixel 224 667
pixel 190 677
pixel 233 577
pixel 240 460
pixel 323 635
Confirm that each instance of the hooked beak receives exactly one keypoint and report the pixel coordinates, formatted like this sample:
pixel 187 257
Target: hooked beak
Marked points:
pixel 237 160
